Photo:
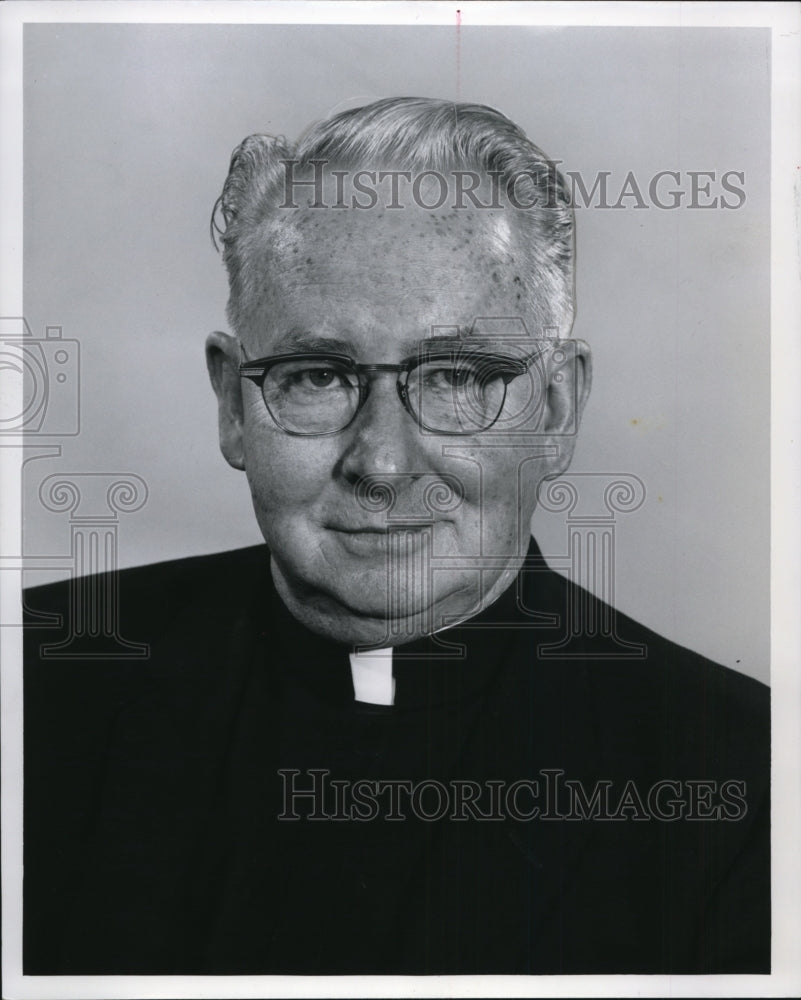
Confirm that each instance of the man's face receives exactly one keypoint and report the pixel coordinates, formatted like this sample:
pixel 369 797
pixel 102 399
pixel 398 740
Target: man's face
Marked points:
pixel 375 286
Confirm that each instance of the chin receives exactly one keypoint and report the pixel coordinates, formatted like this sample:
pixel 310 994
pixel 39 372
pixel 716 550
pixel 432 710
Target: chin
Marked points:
pixel 353 628
pixel 349 630
pixel 365 611
pixel 368 596
pixel 357 606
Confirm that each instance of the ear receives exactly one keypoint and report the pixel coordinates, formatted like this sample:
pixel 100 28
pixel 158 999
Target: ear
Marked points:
pixel 569 368
pixel 222 358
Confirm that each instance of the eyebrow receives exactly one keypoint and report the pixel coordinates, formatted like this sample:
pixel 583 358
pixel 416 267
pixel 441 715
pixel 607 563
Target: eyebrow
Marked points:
pixel 453 338
pixel 301 340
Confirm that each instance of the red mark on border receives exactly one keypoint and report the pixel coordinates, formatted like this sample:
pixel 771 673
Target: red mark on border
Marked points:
pixel 458 54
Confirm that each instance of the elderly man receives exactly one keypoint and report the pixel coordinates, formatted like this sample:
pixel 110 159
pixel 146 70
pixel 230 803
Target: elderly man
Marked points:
pixel 361 748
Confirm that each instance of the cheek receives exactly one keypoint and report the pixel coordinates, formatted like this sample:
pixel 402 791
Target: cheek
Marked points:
pixel 500 488
pixel 286 474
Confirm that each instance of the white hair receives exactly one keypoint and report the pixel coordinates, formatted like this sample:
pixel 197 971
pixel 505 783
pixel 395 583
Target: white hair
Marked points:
pixel 417 134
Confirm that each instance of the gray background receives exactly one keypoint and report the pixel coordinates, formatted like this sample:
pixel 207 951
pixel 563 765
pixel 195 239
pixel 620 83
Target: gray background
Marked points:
pixel 128 131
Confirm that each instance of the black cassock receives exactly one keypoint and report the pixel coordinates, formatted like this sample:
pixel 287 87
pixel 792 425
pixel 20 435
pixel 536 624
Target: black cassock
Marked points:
pixel 158 793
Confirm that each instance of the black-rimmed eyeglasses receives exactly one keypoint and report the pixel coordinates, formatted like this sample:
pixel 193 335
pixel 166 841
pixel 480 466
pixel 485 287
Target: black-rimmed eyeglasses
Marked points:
pixel 459 391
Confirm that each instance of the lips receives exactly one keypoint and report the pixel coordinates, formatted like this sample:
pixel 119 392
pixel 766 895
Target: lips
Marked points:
pixel 359 529
pixel 366 541
pixel 373 530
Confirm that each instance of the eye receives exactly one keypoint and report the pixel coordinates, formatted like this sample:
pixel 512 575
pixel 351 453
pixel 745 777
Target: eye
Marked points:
pixel 320 378
pixel 474 376
pixel 449 377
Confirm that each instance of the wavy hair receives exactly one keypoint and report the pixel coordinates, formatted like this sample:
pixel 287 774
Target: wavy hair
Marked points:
pixel 416 134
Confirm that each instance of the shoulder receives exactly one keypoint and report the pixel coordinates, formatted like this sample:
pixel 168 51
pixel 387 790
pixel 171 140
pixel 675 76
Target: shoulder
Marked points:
pixel 151 643
pixel 126 678
pixel 94 644
pixel 624 649
pixel 647 696
pixel 153 593
pixel 683 685
pixel 674 751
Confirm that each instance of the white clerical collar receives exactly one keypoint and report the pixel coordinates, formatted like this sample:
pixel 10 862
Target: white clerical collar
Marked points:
pixel 372 677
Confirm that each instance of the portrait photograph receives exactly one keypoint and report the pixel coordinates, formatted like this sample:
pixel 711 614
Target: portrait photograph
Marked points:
pixel 400 499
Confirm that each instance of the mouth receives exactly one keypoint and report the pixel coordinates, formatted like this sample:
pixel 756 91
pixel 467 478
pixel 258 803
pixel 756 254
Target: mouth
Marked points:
pixel 370 540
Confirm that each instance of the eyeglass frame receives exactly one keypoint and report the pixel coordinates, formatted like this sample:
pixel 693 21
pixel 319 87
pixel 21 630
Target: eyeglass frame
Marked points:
pixel 256 370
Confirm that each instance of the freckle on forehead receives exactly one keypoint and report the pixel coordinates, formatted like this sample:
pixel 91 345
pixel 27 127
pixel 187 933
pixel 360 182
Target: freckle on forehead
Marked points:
pixel 480 239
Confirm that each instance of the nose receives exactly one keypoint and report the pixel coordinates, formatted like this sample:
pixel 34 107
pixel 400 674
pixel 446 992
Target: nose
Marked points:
pixel 383 438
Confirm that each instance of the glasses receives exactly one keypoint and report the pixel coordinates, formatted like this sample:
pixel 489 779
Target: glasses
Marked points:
pixel 459 391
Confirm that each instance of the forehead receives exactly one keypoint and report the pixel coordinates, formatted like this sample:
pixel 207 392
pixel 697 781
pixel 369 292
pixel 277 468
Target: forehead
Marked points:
pixel 401 272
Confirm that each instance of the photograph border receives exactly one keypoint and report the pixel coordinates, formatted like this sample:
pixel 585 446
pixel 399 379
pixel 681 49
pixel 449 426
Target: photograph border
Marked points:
pixel 784 20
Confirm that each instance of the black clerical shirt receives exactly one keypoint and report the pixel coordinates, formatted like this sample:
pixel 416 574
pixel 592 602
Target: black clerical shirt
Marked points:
pixel 527 805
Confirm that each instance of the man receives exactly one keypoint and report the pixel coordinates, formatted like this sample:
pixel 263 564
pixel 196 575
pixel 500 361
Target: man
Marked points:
pixel 364 748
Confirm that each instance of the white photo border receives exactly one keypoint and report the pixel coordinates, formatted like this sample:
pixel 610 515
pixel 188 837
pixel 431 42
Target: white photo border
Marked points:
pixel 784 20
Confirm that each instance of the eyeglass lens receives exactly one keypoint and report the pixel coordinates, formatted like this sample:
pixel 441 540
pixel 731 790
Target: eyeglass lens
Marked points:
pixel 322 396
